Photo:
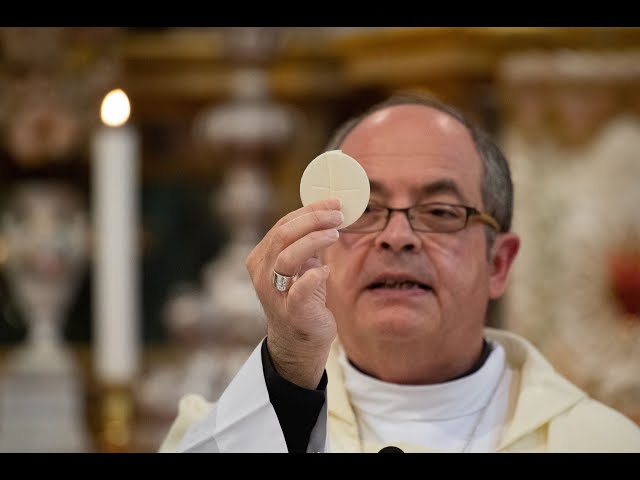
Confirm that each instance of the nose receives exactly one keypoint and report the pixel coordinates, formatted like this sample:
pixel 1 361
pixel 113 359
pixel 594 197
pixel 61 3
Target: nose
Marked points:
pixel 398 235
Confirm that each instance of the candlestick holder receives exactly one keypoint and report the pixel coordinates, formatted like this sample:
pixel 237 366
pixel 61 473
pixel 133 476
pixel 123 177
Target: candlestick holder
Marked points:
pixel 114 418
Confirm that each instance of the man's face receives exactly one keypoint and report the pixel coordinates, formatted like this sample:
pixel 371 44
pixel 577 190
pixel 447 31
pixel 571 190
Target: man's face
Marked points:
pixel 398 286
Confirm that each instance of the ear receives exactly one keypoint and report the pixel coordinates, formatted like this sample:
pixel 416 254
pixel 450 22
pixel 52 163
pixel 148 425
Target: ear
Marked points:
pixel 503 253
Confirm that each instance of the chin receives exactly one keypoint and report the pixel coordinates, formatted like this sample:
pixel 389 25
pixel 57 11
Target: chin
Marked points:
pixel 405 324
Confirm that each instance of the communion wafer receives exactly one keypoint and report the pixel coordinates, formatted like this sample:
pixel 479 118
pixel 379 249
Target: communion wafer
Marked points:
pixel 335 174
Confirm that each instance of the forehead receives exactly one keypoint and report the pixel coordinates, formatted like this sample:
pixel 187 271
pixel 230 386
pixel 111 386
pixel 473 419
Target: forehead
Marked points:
pixel 414 145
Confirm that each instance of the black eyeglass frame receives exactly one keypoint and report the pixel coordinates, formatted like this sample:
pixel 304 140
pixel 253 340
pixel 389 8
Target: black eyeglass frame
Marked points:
pixel 470 213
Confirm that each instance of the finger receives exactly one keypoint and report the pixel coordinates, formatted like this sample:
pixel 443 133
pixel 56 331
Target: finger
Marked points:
pixel 326 204
pixel 315 216
pixel 290 260
pixel 312 283
pixel 288 232
pixel 309 263
pixel 288 229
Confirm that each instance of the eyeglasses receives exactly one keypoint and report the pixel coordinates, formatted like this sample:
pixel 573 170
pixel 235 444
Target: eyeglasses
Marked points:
pixel 426 217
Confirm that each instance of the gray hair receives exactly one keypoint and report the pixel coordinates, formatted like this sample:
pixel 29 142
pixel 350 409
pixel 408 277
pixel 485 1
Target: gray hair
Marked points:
pixel 496 185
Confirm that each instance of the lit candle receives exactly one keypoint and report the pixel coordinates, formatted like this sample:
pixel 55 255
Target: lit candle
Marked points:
pixel 116 309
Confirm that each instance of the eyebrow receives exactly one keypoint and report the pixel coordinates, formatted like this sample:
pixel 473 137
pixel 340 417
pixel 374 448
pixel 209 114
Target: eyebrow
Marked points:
pixel 445 185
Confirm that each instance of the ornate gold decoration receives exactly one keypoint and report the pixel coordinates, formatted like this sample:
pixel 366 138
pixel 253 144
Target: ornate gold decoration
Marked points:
pixel 52 79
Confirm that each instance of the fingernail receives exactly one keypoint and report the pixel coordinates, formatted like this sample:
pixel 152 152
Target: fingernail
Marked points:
pixel 337 217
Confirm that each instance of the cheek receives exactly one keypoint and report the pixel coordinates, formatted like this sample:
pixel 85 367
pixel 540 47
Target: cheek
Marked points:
pixel 461 267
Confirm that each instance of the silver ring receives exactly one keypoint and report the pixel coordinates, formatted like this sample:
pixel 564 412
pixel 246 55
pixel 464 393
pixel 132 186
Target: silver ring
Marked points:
pixel 282 282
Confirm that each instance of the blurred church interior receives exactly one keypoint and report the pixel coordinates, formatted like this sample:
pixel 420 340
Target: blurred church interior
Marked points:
pixel 101 333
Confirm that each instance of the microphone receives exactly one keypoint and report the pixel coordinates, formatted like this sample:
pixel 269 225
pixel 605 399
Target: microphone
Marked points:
pixel 391 449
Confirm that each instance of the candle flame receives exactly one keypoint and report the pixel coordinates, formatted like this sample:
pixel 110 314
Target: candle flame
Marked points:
pixel 115 108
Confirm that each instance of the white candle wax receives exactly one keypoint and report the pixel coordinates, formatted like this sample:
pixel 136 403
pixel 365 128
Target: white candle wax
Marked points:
pixel 116 310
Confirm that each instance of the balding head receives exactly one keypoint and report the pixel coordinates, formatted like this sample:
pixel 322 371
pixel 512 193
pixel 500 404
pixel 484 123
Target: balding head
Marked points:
pixel 426 116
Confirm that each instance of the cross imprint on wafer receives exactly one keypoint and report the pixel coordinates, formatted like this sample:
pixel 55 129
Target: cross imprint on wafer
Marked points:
pixel 329 171
pixel 332 191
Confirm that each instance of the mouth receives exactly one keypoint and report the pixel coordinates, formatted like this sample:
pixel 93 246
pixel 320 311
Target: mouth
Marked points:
pixel 399 283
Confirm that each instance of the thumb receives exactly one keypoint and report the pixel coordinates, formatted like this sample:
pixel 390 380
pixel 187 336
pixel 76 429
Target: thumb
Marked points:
pixel 313 283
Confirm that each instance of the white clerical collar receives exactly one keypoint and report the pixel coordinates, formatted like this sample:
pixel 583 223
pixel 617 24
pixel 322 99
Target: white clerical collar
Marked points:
pixel 443 401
